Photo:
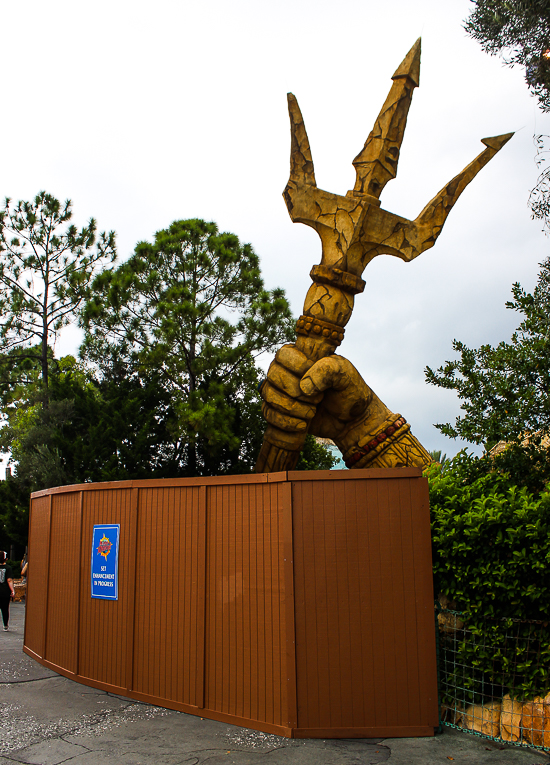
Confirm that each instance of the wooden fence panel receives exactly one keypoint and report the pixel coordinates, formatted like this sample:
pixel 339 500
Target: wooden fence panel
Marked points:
pixel 421 545
pixel 62 633
pixel 169 633
pixel 245 626
pixel 37 582
pixel 360 641
pixel 103 645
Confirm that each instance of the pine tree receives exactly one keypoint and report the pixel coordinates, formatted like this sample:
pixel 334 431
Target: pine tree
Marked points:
pixel 45 270
pixel 192 306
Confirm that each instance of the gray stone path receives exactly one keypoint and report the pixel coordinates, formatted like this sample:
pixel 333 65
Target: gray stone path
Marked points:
pixel 46 719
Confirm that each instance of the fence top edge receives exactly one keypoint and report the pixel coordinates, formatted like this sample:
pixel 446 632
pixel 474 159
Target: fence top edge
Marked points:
pixel 254 478
pixel 354 475
pixel 146 483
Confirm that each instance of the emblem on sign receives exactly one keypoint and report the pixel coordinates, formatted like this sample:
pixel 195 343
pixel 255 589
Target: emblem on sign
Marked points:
pixel 104 547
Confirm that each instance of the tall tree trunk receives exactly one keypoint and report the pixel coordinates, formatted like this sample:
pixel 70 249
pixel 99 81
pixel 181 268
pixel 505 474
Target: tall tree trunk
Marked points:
pixel 44 369
pixel 44 349
pixel 192 458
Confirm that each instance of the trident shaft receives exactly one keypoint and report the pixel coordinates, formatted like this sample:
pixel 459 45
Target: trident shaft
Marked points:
pixel 354 229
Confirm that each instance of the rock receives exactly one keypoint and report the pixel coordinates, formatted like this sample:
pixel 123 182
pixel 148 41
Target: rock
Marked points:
pixel 448 622
pixel 510 719
pixel 536 721
pixel 452 714
pixel 483 718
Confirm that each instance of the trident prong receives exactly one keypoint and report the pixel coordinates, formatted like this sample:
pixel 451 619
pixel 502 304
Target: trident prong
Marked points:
pixel 354 229
pixel 376 164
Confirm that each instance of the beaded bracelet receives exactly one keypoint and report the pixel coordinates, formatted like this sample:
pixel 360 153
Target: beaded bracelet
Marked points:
pixel 313 327
pixel 376 441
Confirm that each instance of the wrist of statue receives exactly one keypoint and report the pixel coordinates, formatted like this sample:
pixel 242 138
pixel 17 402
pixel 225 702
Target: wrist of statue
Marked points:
pixel 367 439
pixel 374 418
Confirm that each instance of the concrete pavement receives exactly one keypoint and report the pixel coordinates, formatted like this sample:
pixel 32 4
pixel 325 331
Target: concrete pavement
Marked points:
pixel 46 719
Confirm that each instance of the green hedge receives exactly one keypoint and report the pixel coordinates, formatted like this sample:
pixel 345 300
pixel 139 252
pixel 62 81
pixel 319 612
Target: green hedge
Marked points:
pixel 491 555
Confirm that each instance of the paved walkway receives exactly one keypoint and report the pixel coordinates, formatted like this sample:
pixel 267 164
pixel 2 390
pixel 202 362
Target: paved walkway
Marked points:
pixel 46 719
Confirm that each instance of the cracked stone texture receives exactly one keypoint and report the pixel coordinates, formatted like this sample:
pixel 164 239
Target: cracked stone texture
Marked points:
pixel 353 230
pixel 46 719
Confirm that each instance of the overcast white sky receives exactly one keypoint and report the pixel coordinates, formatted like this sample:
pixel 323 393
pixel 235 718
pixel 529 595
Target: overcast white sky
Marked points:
pixel 143 113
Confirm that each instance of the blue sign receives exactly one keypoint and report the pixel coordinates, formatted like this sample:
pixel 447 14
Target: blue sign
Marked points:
pixel 105 561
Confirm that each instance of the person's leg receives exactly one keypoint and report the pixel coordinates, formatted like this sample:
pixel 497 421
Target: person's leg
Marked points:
pixel 5 609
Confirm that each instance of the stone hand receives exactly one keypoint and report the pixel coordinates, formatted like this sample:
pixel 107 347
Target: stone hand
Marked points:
pixel 330 399
pixel 329 396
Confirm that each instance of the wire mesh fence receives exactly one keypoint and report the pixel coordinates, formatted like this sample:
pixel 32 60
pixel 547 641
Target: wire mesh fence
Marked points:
pixel 494 677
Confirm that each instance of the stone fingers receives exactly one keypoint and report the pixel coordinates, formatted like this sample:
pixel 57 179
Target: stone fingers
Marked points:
pixel 293 360
pixel 283 421
pixel 279 400
pixel 285 404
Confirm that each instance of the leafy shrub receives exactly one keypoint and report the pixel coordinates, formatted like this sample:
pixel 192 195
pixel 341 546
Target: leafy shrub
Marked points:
pixel 491 555
pixel 315 456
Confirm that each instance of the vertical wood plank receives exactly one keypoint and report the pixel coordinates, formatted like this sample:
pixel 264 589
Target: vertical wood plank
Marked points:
pixel 253 501
pixel 105 622
pixel 372 566
pixel 62 629
pixel 285 498
pixel 398 691
pixel 79 574
pixel 37 584
pixel 424 602
pixel 129 594
pixel 201 596
pixel 25 631
pixel 361 615
pixel 47 596
pixel 413 712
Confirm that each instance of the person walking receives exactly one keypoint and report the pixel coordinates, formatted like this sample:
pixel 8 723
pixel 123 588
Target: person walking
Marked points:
pixel 6 589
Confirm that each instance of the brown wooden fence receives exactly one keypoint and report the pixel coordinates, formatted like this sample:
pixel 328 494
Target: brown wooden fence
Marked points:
pixel 295 603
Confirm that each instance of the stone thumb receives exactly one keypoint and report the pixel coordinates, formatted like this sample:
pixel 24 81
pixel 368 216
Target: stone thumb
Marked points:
pixel 324 374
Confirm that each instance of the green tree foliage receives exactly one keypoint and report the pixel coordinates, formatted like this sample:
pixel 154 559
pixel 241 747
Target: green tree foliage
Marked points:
pixel 45 270
pixel 518 31
pixel 14 513
pixel 315 456
pixel 438 457
pixel 539 198
pixel 22 397
pixel 90 431
pixel 505 390
pixel 116 428
pixel 121 426
pixel 192 306
pixel 491 540
pixel 491 516
pixel 491 556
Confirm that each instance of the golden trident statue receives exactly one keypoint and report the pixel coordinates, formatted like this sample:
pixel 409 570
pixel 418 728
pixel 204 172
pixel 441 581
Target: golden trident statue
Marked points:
pixel 307 386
